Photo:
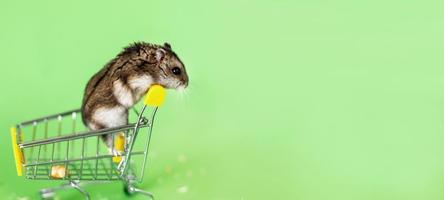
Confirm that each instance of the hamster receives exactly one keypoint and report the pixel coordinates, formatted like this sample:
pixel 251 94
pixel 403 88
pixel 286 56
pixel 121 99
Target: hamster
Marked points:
pixel 121 83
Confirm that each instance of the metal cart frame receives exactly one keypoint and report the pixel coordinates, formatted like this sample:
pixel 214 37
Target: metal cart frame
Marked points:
pixel 45 157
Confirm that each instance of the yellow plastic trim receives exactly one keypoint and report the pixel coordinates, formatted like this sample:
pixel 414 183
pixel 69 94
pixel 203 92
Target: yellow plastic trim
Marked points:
pixel 155 96
pixel 18 156
pixel 119 145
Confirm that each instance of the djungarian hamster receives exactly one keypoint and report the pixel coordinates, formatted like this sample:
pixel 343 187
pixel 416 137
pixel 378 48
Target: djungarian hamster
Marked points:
pixel 125 79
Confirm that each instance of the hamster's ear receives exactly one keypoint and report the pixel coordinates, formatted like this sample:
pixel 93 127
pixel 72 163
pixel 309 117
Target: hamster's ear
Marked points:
pixel 160 54
pixel 167 45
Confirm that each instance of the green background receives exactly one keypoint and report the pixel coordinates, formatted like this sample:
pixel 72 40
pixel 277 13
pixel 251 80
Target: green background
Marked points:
pixel 310 100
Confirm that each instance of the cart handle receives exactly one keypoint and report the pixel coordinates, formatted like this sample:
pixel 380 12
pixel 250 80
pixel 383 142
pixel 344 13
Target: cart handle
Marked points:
pixel 155 96
pixel 18 155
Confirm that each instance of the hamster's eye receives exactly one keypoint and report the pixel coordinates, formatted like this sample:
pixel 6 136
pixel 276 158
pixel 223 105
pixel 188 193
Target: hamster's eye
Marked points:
pixel 176 71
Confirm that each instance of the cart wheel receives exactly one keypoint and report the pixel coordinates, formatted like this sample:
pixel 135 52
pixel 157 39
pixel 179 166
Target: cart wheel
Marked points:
pixel 126 190
pixel 130 190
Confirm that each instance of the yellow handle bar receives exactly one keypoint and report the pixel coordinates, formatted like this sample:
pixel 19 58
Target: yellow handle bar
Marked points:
pixel 18 155
pixel 155 96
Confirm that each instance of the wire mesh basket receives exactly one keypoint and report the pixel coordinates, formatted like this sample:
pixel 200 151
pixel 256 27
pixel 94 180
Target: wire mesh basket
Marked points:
pixel 58 147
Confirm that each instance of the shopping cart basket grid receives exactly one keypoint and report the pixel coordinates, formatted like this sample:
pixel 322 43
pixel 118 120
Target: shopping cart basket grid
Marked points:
pixel 57 148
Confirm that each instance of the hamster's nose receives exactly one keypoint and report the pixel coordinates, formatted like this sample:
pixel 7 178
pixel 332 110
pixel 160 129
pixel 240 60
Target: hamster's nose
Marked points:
pixel 185 81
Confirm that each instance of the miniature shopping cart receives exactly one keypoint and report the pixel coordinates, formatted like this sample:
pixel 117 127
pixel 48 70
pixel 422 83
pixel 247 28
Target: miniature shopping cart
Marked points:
pixel 59 147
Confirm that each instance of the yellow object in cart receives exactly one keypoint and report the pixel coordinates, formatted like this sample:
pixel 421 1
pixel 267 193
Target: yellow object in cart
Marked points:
pixel 58 171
